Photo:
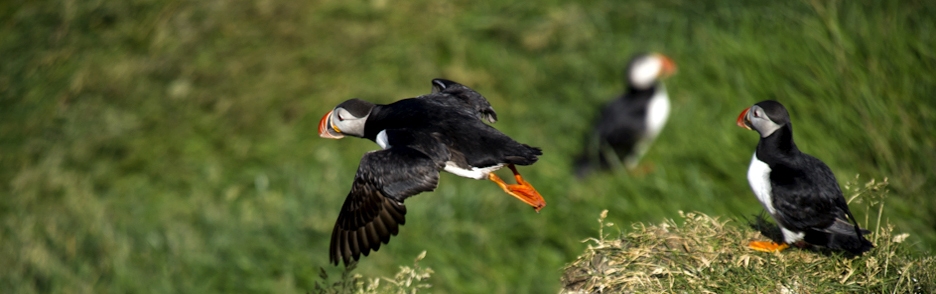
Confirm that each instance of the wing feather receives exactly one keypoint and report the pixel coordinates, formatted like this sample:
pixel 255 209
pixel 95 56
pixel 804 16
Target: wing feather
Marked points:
pixel 453 93
pixel 807 199
pixel 810 201
pixel 374 210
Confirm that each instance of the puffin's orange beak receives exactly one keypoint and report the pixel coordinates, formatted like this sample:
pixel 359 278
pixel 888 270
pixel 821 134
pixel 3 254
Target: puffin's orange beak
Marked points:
pixel 669 67
pixel 743 120
pixel 327 130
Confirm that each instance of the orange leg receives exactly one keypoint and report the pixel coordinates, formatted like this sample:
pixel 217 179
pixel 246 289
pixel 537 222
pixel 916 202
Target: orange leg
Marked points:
pixel 767 246
pixel 642 169
pixel 522 190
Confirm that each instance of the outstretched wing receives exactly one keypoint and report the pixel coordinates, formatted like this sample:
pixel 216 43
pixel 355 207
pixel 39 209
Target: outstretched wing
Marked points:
pixel 455 94
pixel 374 210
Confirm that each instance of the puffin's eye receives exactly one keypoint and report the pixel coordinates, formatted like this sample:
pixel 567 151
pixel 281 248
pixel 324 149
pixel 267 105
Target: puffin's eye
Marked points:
pixel 756 113
pixel 343 115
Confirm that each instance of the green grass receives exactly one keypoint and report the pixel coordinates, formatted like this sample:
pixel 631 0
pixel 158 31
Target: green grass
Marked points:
pixel 170 146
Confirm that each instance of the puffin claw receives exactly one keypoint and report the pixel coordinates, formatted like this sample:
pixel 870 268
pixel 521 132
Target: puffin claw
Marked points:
pixel 522 190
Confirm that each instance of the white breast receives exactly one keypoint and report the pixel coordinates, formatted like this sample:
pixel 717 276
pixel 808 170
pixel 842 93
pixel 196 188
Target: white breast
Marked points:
pixel 657 113
pixel 791 236
pixel 473 173
pixel 759 177
pixel 382 139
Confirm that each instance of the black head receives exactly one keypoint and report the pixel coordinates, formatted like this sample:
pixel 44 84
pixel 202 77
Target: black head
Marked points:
pixel 356 107
pixel 348 118
pixel 765 117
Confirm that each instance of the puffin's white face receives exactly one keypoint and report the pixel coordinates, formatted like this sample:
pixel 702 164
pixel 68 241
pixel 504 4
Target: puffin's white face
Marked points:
pixel 646 70
pixel 348 118
pixel 756 118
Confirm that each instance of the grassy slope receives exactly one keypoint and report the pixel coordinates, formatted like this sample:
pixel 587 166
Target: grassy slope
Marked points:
pixel 169 146
pixel 702 254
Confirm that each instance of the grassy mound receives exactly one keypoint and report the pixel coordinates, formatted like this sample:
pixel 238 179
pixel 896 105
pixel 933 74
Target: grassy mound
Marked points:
pixel 706 254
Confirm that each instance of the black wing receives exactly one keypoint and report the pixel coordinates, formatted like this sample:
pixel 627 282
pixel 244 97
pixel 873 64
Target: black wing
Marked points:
pixel 624 120
pixel 452 94
pixel 806 198
pixel 817 208
pixel 617 129
pixel 374 210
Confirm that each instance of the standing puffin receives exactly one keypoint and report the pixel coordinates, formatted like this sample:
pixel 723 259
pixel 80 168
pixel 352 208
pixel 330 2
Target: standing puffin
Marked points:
pixel 420 137
pixel 797 190
pixel 629 124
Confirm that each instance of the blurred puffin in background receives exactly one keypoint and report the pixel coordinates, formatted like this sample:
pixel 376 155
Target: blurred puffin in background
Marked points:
pixel 419 137
pixel 797 190
pixel 628 125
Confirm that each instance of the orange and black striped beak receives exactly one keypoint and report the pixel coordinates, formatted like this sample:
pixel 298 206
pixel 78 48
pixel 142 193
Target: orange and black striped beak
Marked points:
pixel 327 129
pixel 743 120
pixel 669 67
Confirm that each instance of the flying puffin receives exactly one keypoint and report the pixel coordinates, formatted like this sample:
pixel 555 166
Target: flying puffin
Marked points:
pixel 797 190
pixel 419 137
pixel 629 124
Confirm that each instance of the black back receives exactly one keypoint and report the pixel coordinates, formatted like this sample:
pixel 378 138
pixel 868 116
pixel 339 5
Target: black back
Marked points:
pixel 805 193
pixel 621 124
pixel 471 142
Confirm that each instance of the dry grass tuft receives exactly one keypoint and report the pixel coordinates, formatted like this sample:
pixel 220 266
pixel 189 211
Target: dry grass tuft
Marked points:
pixel 705 254
pixel 407 280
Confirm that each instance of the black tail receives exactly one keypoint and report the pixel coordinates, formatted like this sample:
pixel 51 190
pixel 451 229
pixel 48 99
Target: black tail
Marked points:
pixel 851 243
pixel 863 244
pixel 526 155
pixel 841 235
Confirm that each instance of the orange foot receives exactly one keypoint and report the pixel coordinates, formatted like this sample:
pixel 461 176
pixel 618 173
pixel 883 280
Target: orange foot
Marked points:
pixel 641 169
pixel 767 246
pixel 522 190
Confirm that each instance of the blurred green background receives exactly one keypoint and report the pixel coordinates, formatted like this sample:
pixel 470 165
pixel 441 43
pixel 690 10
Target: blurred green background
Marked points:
pixel 171 146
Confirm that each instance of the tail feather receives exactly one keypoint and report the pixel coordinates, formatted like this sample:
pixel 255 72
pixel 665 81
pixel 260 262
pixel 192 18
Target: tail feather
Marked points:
pixel 527 155
pixel 862 245
pixel 841 235
pixel 851 243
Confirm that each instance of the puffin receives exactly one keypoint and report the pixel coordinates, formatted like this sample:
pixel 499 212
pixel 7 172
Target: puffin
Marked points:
pixel 419 137
pixel 628 125
pixel 798 190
